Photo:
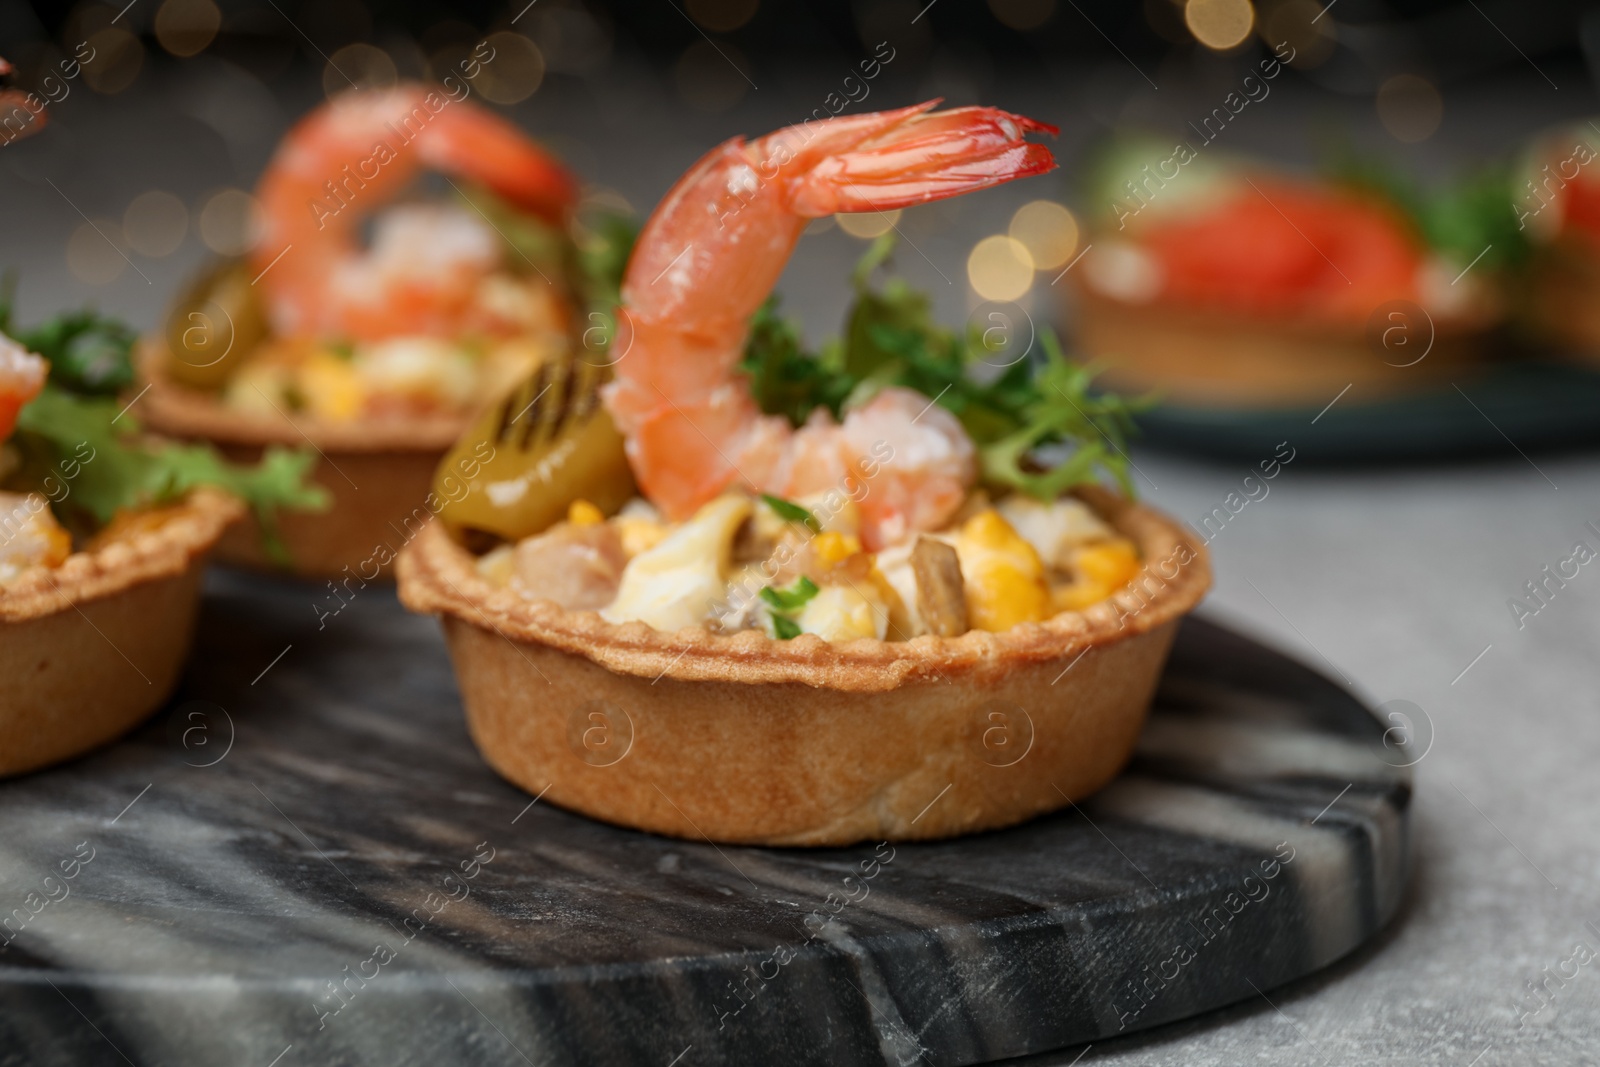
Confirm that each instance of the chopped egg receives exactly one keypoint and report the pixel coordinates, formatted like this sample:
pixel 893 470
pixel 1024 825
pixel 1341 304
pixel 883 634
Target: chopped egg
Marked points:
pixel 640 526
pixel 582 513
pixel 1003 574
pixel 894 564
pixel 497 565
pixel 1055 528
pixel 679 581
pixel 845 612
pixel 259 387
pixel 29 535
pixel 425 369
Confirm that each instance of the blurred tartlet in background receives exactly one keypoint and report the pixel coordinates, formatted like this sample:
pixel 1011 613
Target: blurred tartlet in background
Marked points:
pixel 1225 283
pixel 1556 197
pixel 378 352
pixel 104 533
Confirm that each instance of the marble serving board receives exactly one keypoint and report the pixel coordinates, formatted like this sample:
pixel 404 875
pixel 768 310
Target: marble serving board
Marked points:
pixel 303 861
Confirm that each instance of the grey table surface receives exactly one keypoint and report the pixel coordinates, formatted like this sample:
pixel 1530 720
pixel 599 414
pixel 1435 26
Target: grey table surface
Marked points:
pixel 1395 578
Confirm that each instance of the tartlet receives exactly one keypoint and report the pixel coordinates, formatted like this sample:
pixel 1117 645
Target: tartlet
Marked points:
pixel 93 646
pixel 1215 357
pixel 744 738
pixel 1558 206
pixel 376 474
pixel 851 600
pixel 370 328
pixel 104 532
pixel 1227 284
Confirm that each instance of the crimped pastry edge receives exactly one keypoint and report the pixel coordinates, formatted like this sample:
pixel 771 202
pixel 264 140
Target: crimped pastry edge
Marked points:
pixel 124 563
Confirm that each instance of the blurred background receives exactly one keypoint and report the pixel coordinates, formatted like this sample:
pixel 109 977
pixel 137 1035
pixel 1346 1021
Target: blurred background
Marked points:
pixel 146 167
pixel 1394 580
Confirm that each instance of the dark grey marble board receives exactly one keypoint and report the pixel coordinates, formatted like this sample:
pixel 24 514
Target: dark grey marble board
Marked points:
pixel 250 849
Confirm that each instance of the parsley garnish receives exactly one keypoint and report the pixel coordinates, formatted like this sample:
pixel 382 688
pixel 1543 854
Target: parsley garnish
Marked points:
pixel 77 415
pixel 784 603
pixel 891 338
pixel 1473 214
pixel 792 512
pixel 88 352
pixel 128 470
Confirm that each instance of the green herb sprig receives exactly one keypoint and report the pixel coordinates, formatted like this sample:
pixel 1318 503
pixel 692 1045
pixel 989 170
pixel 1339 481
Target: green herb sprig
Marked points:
pixel 77 423
pixel 88 352
pixel 128 470
pixel 891 338
pixel 1473 214
pixel 789 511
pixel 785 604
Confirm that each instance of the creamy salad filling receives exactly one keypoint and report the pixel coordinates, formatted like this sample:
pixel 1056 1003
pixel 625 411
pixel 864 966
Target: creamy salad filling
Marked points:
pixel 794 567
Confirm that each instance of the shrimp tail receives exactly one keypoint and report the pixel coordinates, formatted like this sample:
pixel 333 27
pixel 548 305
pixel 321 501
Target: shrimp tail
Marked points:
pixel 930 156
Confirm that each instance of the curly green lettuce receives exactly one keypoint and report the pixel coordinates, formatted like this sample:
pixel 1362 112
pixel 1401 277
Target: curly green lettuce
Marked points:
pixel 1040 404
pixel 76 423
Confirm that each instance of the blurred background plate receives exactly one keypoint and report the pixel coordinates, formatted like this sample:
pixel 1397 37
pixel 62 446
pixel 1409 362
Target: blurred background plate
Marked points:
pixel 1516 406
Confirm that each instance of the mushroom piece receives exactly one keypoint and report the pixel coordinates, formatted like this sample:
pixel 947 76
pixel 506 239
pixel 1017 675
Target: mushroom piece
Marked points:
pixel 577 567
pixel 941 594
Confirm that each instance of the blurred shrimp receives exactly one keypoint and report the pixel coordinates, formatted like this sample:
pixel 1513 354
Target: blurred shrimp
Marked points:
pixel 712 252
pixel 22 114
pixel 22 375
pixel 352 156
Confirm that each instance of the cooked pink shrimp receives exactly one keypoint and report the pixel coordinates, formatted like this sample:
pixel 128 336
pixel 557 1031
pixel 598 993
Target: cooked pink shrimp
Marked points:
pixel 709 256
pixel 352 156
pixel 22 375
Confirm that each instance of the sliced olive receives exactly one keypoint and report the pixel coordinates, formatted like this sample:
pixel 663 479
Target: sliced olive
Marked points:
pixel 527 458
pixel 214 325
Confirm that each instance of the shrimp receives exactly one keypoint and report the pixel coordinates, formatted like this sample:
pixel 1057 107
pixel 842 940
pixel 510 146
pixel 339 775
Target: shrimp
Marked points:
pixel 711 253
pixel 22 375
pixel 353 155
pixel 22 114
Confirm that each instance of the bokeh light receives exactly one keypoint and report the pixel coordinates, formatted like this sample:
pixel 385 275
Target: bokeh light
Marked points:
pixel 118 56
pixel 1023 14
pixel 722 16
pixel 230 222
pixel 91 256
pixel 516 71
pixel 868 224
pixel 1219 24
pixel 1048 231
pixel 1409 108
pixel 358 66
pixel 1000 268
pixel 185 27
pixel 155 223
pixel 1301 25
pixel 709 77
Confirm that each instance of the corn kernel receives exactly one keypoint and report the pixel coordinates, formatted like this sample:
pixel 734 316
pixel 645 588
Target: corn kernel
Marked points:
pixel 331 387
pixel 834 547
pixel 1113 563
pixel 1100 569
pixel 1004 576
pixel 583 513
pixel 639 534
